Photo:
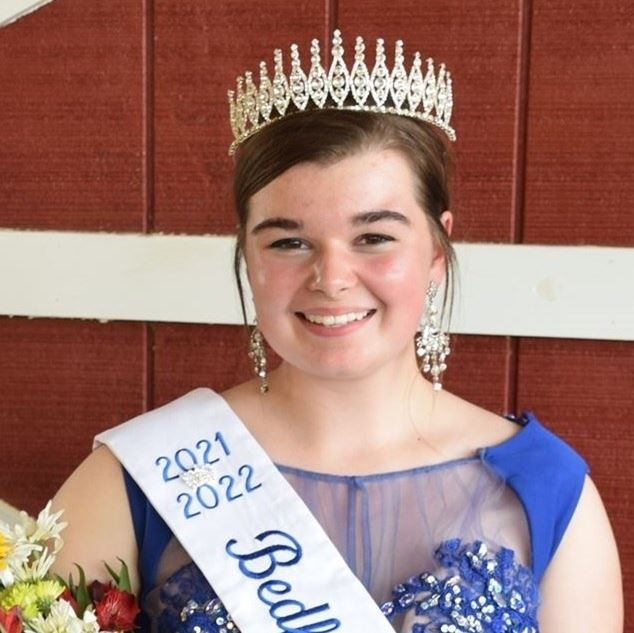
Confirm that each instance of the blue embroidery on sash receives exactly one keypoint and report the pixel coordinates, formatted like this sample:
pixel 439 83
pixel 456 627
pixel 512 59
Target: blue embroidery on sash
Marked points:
pixel 290 615
pixel 195 466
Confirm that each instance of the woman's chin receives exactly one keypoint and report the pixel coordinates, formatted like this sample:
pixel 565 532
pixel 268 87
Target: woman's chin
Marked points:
pixel 336 369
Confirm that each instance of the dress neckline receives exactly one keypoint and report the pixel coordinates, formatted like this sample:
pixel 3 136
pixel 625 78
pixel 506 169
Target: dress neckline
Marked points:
pixel 526 420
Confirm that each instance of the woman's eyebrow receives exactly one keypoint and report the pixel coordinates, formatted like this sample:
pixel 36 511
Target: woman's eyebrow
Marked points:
pixel 368 217
pixel 277 223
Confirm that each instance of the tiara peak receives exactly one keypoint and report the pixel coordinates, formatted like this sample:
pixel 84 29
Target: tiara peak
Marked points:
pixel 428 96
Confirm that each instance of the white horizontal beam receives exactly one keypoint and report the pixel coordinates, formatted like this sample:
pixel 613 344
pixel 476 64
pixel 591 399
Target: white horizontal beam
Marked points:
pixel 517 290
pixel 9 515
pixel 12 10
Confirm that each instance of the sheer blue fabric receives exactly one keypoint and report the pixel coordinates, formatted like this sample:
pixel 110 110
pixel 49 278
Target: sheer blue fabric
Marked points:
pixel 458 546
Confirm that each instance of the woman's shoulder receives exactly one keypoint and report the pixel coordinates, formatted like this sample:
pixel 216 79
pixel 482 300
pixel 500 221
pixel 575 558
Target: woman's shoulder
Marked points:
pixel 506 438
pixel 100 468
pixel 467 428
pixel 95 505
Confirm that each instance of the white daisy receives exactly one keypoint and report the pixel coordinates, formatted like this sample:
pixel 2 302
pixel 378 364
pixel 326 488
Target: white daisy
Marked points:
pixel 33 544
pixel 61 619
pixel 14 555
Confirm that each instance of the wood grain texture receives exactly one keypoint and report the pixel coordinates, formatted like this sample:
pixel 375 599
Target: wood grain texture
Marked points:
pixel 582 390
pixel 200 49
pixel 61 382
pixel 479 44
pixel 190 356
pixel 478 370
pixel 71 117
pixel 580 161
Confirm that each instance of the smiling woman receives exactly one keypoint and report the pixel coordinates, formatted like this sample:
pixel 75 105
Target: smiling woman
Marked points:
pixel 311 137
pixel 323 241
pixel 345 490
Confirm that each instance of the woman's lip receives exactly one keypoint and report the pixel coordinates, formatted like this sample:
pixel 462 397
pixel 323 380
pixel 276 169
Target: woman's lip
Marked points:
pixel 334 330
pixel 337 312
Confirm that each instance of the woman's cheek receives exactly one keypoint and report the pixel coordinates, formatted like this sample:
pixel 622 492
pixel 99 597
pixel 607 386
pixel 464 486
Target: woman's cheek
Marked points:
pixel 263 271
pixel 274 282
pixel 401 282
pixel 406 272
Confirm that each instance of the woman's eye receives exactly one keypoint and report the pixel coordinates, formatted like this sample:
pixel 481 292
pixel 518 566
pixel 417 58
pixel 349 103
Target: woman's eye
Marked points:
pixel 374 238
pixel 288 244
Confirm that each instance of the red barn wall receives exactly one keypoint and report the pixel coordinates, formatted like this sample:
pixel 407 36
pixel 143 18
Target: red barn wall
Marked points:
pixel 113 118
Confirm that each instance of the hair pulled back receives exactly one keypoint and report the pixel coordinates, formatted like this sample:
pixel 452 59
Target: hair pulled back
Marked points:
pixel 327 136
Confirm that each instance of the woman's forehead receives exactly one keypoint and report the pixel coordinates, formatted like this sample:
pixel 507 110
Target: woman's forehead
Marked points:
pixel 370 180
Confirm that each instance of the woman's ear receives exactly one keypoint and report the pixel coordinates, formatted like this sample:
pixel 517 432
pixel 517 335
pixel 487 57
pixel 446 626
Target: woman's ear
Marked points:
pixel 446 219
pixel 439 260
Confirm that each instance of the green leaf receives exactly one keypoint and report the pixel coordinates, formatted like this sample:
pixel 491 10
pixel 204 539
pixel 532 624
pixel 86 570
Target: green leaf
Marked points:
pixel 68 584
pixel 121 579
pixel 81 591
pixel 112 573
pixel 124 578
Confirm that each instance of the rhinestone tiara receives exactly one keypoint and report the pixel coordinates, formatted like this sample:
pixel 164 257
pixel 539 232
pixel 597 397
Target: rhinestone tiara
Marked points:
pixel 427 97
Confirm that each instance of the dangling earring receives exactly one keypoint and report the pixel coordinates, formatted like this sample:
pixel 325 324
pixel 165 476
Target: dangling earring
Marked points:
pixel 258 355
pixel 432 345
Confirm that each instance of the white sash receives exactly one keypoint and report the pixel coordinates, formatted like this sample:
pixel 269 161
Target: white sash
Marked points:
pixel 247 530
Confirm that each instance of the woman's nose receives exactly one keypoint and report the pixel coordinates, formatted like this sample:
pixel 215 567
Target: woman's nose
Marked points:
pixel 332 273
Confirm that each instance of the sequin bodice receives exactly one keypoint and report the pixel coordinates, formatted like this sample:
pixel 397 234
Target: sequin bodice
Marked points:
pixel 457 547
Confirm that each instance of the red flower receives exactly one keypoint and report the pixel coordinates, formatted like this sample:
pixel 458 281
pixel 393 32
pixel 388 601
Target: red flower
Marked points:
pixel 10 620
pixel 68 596
pixel 117 610
pixel 97 590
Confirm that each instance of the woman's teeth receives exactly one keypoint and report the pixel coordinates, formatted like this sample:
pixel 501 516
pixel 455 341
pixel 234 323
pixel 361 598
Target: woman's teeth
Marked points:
pixel 334 321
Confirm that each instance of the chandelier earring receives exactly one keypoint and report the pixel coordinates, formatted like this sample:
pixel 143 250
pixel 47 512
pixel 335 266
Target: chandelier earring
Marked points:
pixel 258 355
pixel 432 344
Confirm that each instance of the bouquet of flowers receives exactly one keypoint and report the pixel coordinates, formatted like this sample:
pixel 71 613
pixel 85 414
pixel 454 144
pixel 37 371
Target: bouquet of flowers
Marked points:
pixel 34 601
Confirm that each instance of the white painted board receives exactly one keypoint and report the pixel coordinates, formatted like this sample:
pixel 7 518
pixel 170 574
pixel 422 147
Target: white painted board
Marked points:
pixel 12 10
pixel 517 290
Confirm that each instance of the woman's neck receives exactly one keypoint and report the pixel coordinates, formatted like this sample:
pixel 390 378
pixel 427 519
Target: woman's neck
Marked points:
pixel 338 417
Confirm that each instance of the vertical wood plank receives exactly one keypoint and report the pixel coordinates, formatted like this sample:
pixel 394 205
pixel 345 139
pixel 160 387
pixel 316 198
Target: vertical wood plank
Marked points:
pixel 580 161
pixel 200 49
pixel 583 391
pixel 190 356
pixel 61 382
pixel 477 370
pixel 71 118
pixel 479 44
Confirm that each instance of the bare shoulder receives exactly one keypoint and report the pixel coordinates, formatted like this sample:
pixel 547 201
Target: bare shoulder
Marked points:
pixel 95 505
pixel 245 401
pixel 243 395
pixel 474 427
pixel 582 587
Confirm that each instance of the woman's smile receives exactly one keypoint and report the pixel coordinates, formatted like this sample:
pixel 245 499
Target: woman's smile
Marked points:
pixel 335 324
pixel 346 252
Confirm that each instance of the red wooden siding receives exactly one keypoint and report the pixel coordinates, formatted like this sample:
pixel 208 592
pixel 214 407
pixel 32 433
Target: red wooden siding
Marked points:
pixel 200 48
pixel 479 44
pixel 71 118
pixel 583 391
pixel 580 161
pixel 61 382
pixel 113 117
pixel 187 356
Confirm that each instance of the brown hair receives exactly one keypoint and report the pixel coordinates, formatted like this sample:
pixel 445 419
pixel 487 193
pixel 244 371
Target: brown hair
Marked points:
pixel 327 136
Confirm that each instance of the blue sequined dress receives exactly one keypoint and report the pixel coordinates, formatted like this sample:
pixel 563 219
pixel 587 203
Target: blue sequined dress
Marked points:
pixel 455 547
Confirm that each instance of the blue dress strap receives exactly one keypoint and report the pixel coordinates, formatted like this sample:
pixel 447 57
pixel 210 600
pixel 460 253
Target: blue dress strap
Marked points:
pixel 151 532
pixel 548 476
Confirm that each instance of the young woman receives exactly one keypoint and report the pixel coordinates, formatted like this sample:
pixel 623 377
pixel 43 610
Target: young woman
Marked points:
pixel 402 496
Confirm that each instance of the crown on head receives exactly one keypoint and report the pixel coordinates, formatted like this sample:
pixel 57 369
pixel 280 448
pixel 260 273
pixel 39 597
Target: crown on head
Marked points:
pixel 427 97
